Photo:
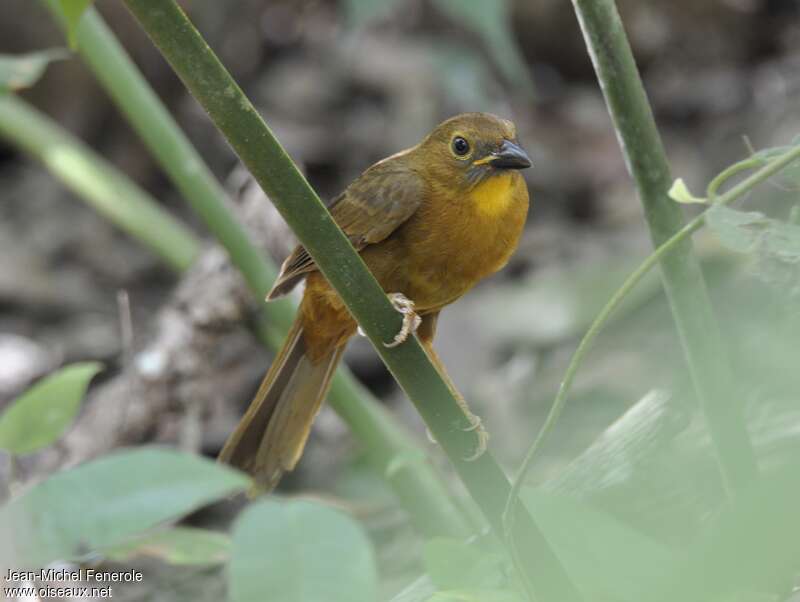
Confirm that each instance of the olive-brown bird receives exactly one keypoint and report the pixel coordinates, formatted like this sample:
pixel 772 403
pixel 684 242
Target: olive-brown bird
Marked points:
pixel 429 222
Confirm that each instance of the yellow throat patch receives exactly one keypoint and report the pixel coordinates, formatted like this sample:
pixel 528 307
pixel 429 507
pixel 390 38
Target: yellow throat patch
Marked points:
pixel 493 195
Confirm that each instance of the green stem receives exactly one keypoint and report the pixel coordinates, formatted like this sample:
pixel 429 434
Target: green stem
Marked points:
pixel 99 183
pixel 685 287
pixel 255 144
pixel 631 281
pixel 417 485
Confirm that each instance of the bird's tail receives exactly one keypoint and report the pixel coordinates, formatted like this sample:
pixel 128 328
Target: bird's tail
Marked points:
pixel 270 437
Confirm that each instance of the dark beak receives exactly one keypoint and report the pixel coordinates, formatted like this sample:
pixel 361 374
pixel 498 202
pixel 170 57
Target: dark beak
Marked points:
pixel 510 156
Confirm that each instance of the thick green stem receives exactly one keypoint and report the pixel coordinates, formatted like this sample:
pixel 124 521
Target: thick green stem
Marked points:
pixel 110 192
pixel 416 484
pixel 683 280
pixel 255 144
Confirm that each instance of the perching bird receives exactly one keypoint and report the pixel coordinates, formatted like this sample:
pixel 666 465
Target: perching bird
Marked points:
pixel 429 222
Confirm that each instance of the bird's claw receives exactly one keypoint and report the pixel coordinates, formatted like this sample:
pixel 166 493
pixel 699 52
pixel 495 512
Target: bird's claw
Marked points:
pixel 411 320
pixel 476 425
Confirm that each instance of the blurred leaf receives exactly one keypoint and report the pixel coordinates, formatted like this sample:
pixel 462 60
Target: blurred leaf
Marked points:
pixel 300 552
pixel 362 12
pixel 73 11
pixel 680 193
pixel 24 70
pixel 492 21
pixel 455 564
pixel 418 591
pixel 177 545
pixel 40 415
pixel 751 231
pixel 478 595
pixel 606 558
pixel 104 502
pixel 752 547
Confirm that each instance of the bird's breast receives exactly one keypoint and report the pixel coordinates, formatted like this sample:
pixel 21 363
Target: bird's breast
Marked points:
pixel 455 241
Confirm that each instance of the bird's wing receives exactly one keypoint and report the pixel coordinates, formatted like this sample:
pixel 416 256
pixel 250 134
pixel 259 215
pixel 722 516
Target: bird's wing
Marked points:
pixel 371 208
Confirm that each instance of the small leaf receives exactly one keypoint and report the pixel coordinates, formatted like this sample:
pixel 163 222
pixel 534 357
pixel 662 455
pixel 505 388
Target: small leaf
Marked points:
pixel 73 11
pixel 41 415
pixel 455 564
pixel 177 545
pixel 492 21
pixel 360 13
pixel 300 552
pixel 24 70
pixel 680 192
pixel 103 503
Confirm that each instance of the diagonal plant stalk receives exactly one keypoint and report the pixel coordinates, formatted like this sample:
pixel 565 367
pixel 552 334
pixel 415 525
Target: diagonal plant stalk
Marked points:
pixel 415 482
pixel 110 192
pixel 234 115
pixel 685 287
pixel 767 171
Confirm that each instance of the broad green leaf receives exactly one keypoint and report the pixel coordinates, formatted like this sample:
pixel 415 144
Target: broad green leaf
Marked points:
pixel 492 21
pixel 454 564
pixel 300 552
pixel 362 12
pixel 73 11
pixel 751 231
pixel 176 545
pixel 24 70
pixel 477 595
pixel 41 415
pixel 606 558
pixel 104 502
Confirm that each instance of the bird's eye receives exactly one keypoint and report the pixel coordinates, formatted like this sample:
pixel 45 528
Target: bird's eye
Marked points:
pixel 460 146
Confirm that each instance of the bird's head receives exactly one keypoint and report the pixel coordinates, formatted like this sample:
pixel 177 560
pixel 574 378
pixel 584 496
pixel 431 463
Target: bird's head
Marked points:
pixel 471 147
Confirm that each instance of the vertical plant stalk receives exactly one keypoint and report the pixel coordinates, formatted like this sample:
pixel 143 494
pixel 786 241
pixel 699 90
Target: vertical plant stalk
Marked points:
pixel 234 115
pixel 416 484
pixel 110 192
pixel 683 280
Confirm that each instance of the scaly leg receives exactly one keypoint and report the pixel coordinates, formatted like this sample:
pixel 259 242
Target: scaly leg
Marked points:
pixel 425 333
pixel 411 320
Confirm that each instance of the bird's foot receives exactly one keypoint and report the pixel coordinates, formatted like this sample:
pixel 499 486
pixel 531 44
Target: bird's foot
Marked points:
pixel 476 426
pixel 411 320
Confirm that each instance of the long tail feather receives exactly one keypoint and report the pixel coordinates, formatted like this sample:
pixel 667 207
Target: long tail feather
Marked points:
pixel 270 438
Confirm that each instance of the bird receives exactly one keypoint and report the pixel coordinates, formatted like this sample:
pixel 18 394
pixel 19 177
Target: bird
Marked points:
pixel 430 222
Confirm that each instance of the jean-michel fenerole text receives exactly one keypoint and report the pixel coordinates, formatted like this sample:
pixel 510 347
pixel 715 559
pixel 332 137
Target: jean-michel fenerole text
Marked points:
pixel 65 574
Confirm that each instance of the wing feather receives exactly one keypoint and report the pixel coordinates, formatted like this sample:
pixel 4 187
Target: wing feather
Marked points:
pixel 371 208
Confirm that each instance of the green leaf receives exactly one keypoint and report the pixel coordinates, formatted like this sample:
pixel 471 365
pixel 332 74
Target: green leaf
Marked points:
pixel 751 231
pixel 492 21
pixel 300 552
pixel 606 558
pixel 73 11
pixel 363 12
pixel 454 564
pixel 24 70
pixel 41 415
pixel 176 545
pixel 102 503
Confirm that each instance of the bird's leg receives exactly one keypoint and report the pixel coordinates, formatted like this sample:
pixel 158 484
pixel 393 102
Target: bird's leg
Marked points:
pixel 476 424
pixel 411 320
